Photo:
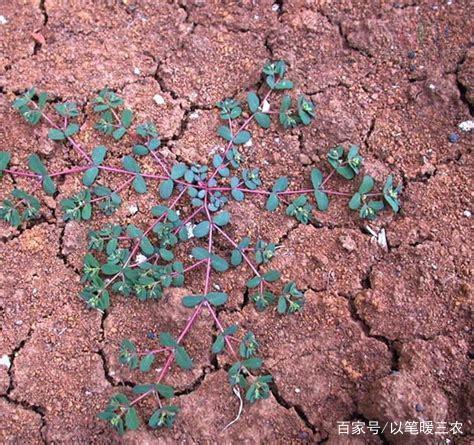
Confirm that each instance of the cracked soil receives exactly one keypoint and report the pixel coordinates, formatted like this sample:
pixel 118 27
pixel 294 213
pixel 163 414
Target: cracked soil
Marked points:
pixel 385 330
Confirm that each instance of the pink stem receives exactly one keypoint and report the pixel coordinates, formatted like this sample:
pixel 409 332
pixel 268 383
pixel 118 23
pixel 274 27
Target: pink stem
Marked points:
pixel 70 171
pixel 221 328
pixel 328 177
pixel 189 218
pixel 21 173
pixel 242 127
pixel 246 258
pixel 121 187
pixel 126 172
pixel 76 146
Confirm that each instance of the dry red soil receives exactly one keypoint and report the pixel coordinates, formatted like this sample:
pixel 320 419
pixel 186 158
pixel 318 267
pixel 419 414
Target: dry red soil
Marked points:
pixel 386 332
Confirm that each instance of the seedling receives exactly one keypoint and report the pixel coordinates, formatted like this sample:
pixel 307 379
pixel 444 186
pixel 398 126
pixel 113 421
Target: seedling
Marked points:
pixel 142 261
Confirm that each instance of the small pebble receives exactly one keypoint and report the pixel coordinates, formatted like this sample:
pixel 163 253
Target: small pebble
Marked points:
pixel 467 213
pixel 419 408
pixel 136 71
pixel 453 138
pixel 141 258
pixel 411 54
pixel 466 125
pixel 132 209
pixel 265 106
pixel 159 100
pixel 304 159
pixel 151 335
pixel 297 390
pixel 275 7
pixel 3 20
pixel 5 361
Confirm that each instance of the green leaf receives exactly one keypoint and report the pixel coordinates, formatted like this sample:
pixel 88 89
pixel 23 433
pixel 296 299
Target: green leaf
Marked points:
pixel 242 137
pixel 130 164
pixel 253 363
pixel 237 195
pixel 272 202
pixel 56 135
pixel 131 419
pixel 199 253
pixel 271 275
pixel 71 130
pixel 236 257
pixel 178 170
pixel 35 165
pixel 165 391
pixel 98 154
pixel 316 178
pixel 86 212
pixel 218 345
pixel 192 300
pixel 224 132
pixel 166 188
pixel 118 133
pixel 126 118
pixel 146 362
pixel 254 282
pixel 284 85
pixel 217 298
pixel 183 359
pixel 139 184
pixel 146 246
pixel 110 269
pixel 355 201
pixel 49 186
pixel 282 305
pixel 322 200
pixel 142 389
pixel 202 229
pixel 366 185
pixel 253 101
pixel 219 264
pixel 281 184
pixel 221 219
pixel 263 120
pixel 376 205
pixel 4 160
pixel 90 176
pixel 167 340
pixel 133 231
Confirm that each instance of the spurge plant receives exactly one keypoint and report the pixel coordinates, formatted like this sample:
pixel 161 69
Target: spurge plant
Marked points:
pixel 142 261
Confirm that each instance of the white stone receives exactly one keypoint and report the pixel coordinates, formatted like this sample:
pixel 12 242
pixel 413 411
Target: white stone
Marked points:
pixel 136 71
pixel 275 7
pixel 141 258
pixel 132 209
pixel 466 125
pixel 431 87
pixel 5 361
pixel 249 143
pixel 297 390
pixel 159 100
pixel 3 20
pixel 265 106
pixel 194 115
pixel 467 213
pixel 189 228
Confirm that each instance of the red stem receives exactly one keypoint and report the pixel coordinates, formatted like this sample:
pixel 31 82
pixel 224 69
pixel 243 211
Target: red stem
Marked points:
pixel 246 258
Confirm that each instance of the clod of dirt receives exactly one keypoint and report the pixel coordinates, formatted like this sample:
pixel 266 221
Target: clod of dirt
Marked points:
pixel 394 399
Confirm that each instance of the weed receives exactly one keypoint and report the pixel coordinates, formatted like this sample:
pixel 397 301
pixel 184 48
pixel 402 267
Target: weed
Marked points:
pixel 141 262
